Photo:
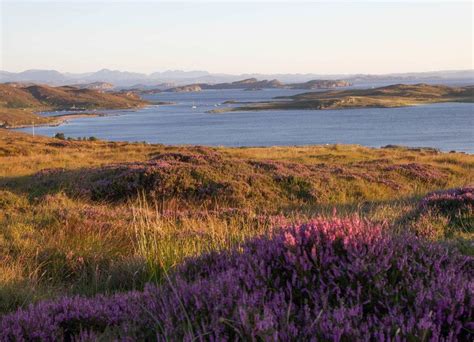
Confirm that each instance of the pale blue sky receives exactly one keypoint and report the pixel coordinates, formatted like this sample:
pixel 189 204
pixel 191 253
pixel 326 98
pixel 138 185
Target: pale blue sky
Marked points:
pixel 236 38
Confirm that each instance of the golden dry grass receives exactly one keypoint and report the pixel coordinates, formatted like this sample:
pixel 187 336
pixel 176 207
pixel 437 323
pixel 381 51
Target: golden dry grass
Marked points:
pixel 57 243
pixel 10 117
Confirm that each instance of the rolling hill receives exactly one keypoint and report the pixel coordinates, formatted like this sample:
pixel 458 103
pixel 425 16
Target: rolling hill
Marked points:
pixel 397 95
pixel 18 104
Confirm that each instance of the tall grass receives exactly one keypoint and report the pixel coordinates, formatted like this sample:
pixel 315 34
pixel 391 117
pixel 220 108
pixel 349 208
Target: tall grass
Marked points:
pixel 165 240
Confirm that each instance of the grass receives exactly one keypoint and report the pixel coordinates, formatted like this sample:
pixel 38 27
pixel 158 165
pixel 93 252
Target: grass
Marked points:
pixel 22 117
pixel 58 237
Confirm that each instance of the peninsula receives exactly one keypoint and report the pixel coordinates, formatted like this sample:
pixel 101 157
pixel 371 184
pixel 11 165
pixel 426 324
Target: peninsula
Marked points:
pixel 20 103
pixel 397 95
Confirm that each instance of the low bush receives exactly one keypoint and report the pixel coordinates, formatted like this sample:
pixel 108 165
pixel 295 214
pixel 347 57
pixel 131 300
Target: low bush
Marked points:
pixel 446 214
pixel 337 279
pixel 60 136
pixel 449 201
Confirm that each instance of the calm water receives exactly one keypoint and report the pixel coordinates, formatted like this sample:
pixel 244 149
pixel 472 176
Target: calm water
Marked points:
pixel 448 126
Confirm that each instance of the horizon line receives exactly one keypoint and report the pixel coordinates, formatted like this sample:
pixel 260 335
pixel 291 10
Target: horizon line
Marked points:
pixel 235 74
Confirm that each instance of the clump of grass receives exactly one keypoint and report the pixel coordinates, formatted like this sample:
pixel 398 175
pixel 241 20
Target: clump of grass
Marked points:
pixel 10 201
pixel 164 240
pixel 446 214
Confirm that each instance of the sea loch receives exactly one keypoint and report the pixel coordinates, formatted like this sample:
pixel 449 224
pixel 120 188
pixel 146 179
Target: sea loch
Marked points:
pixel 447 126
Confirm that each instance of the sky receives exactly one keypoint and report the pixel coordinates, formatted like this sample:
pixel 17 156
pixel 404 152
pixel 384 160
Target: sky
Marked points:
pixel 252 37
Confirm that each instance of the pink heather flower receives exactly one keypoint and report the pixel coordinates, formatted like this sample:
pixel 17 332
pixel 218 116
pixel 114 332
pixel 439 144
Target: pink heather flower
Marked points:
pixel 290 239
pixel 327 280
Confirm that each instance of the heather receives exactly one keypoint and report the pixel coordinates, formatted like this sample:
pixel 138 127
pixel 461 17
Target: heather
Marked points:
pixel 96 217
pixel 445 214
pixel 333 279
pixel 210 178
pixel 449 201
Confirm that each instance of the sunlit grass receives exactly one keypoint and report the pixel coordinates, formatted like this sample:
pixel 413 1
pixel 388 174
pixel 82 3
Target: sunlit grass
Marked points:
pixel 54 241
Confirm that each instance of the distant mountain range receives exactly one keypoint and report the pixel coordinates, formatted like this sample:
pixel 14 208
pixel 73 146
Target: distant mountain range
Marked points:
pixel 122 79
pixel 116 77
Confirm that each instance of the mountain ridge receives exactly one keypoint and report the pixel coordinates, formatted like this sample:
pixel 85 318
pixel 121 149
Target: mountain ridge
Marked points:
pixel 179 77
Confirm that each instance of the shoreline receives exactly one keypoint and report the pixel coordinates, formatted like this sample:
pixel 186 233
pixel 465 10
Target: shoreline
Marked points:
pixel 415 148
pixel 275 106
pixel 393 96
pixel 58 120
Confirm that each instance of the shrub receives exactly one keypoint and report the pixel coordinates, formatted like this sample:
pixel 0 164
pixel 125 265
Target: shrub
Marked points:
pixel 182 177
pixel 325 280
pixel 449 201
pixel 446 213
pixel 9 200
pixel 60 136
pixel 431 225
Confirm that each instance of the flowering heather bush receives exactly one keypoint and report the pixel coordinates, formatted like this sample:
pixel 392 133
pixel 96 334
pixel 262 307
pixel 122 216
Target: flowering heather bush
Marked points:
pixel 325 280
pixel 201 176
pixel 211 178
pixel 448 201
pixel 418 171
pixel 447 214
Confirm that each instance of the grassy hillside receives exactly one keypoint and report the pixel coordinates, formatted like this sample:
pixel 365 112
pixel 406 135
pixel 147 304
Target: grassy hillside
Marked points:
pixel 10 117
pixel 398 95
pixel 67 97
pixel 17 97
pixel 18 104
pixel 99 217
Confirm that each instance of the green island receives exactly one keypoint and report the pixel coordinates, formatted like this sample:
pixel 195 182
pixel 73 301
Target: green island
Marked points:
pixel 19 104
pixel 397 95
